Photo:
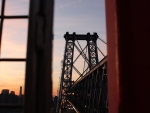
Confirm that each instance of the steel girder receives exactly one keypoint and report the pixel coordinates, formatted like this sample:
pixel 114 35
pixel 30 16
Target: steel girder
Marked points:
pixel 93 56
pixel 89 94
pixel 66 78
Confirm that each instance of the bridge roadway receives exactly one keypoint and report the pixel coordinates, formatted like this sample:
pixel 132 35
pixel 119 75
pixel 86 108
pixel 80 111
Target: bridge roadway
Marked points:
pixel 68 111
pixel 89 93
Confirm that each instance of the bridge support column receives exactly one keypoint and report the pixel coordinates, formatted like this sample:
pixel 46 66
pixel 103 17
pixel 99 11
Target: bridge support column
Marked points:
pixel 66 77
pixel 92 51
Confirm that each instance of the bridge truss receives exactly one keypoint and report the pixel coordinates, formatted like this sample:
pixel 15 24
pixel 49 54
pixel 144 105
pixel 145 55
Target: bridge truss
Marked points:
pixel 91 87
pixel 89 94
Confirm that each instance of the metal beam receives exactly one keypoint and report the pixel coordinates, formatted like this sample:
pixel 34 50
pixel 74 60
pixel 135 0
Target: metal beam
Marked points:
pixel 12 59
pixel 104 60
pixel 80 36
pixel 89 94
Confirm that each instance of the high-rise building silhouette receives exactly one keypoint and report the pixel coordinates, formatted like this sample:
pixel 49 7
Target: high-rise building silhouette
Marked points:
pixel 10 98
pixel 20 96
pixel 5 96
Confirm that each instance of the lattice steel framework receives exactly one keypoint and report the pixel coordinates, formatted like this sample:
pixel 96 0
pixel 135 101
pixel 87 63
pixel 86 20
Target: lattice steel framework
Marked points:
pixel 67 70
pixel 68 63
pixel 89 94
pixel 92 49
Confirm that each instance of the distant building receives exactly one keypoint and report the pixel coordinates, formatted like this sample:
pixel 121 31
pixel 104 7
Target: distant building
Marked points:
pixel 5 91
pixel 10 98
pixel 20 98
pixel 55 101
pixel 12 93
pixel 5 96
pixel 13 99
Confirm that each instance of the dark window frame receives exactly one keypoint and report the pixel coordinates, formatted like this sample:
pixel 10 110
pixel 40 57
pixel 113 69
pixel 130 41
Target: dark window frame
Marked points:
pixel 3 17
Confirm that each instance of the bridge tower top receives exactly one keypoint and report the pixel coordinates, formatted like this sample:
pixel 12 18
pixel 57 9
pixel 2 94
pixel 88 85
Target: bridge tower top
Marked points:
pixel 75 36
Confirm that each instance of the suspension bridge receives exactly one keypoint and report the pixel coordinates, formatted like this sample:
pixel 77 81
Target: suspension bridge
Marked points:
pixel 88 93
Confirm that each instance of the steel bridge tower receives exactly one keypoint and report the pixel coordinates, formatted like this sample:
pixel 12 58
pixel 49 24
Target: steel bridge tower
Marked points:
pixel 68 63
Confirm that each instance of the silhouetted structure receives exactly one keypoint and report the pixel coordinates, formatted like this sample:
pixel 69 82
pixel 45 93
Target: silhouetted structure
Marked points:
pixel 128 49
pixel 68 89
pixel 20 96
pixel 7 98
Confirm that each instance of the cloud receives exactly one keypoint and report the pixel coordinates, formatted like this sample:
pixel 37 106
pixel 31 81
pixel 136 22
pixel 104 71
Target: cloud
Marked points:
pixel 66 4
pixel 79 0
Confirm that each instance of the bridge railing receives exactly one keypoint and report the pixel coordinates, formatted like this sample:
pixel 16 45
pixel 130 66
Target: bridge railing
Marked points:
pixel 89 94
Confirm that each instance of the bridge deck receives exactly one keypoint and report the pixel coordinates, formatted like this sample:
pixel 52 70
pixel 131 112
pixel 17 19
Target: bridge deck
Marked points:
pixel 92 70
pixel 68 111
pixel 89 93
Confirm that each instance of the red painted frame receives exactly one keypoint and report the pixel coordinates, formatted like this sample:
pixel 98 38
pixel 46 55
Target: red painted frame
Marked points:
pixel 128 39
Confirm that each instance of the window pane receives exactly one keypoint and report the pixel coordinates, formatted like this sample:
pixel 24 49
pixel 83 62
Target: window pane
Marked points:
pixel 14 38
pixel 12 76
pixel 17 7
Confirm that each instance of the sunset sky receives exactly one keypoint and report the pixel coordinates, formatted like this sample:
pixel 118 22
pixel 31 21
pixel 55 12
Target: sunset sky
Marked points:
pixel 80 16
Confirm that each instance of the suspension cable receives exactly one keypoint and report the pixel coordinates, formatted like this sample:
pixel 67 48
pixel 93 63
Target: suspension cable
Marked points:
pixel 84 59
pixel 79 55
pixel 102 40
pixel 80 48
pixel 81 74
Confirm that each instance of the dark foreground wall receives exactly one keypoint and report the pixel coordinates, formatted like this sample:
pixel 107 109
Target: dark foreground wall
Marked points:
pixel 128 35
